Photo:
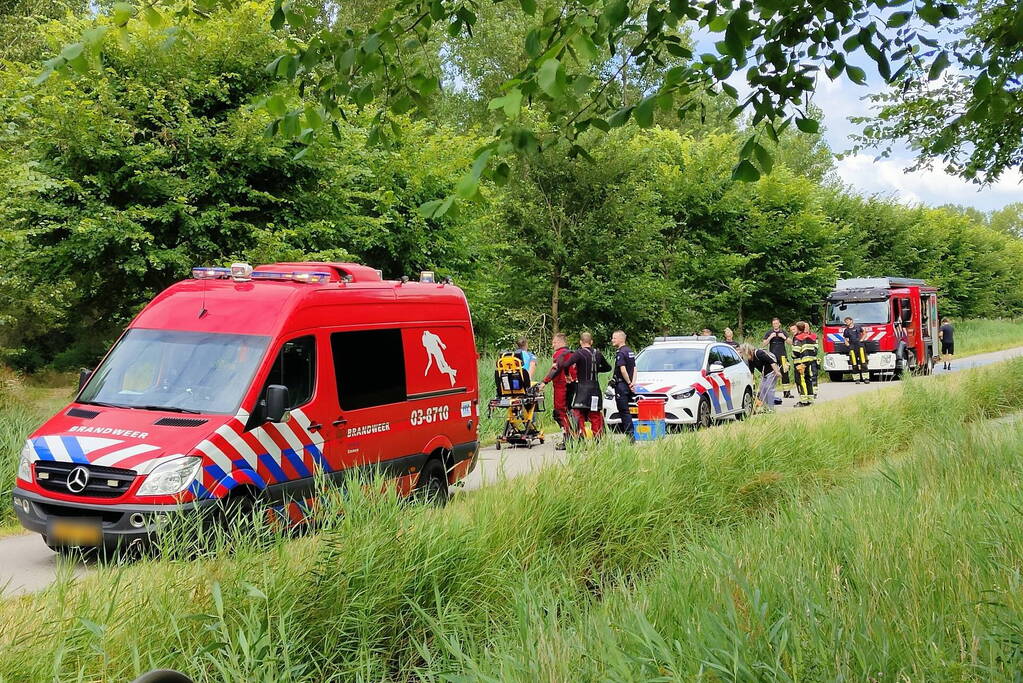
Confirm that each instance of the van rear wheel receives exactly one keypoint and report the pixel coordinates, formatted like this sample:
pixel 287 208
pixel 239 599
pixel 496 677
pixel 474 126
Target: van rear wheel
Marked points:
pixel 432 486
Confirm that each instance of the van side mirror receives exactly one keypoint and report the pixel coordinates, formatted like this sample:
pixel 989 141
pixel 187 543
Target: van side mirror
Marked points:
pixel 277 401
pixel 716 367
pixel 83 378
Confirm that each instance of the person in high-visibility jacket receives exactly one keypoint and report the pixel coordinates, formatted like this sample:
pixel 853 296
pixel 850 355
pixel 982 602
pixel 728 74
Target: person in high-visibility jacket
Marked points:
pixel 804 355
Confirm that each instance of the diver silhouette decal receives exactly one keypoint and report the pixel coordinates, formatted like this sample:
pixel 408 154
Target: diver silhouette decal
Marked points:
pixel 435 353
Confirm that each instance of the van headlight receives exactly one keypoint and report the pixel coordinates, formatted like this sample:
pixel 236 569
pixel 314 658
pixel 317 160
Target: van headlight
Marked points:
pixel 170 477
pixel 684 394
pixel 28 456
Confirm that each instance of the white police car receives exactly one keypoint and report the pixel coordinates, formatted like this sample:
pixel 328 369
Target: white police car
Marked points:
pixel 701 379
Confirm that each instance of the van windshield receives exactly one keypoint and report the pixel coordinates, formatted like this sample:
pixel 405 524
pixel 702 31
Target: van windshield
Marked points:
pixel 191 372
pixel 653 359
pixel 862 312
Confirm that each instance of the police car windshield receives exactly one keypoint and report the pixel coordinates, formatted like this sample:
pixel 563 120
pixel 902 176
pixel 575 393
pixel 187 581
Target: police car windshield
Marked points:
pixel 863 312
pixel 178 371
pixel 654 359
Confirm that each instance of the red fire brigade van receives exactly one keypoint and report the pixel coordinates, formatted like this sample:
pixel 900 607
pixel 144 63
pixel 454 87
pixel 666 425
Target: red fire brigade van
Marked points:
pixel 890 310
pixel 248 382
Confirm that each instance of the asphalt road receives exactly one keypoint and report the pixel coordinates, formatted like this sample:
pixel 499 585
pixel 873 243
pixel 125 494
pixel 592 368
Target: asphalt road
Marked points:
pixel 27 565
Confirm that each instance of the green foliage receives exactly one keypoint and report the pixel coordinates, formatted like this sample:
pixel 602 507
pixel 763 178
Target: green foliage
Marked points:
pixel 969 117
pixel 116 186
pixel 573 54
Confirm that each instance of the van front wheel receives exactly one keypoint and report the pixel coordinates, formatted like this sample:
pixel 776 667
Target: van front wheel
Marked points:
pixel 432 486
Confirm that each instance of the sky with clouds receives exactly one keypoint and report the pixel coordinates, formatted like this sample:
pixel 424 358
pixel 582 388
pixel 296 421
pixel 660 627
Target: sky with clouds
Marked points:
pixel 841 99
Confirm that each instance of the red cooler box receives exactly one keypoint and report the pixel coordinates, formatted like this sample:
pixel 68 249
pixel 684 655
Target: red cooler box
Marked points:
pixel 650 409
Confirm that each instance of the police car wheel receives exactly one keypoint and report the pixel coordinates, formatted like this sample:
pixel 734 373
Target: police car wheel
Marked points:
pixel 432 487
pixel 703 414
pixel 747 405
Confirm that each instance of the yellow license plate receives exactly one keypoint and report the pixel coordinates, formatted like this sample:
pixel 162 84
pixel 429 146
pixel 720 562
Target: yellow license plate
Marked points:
pixel 87 532
pixel 634 410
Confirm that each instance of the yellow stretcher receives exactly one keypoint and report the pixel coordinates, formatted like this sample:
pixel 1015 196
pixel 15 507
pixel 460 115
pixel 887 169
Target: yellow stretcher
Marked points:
pixel 520 398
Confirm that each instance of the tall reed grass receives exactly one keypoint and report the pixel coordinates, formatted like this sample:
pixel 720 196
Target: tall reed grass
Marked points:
pixel 911 573
pixel 22 409
pixel 983 336
pixel 389 592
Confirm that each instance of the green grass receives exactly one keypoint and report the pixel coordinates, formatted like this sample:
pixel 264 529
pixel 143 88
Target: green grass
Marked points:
pixel 23 407
pixel 388 591
pixel 983 336
pixel 912 573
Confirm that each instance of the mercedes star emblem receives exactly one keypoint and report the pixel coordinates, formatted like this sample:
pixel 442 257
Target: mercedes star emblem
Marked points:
pixel 77 480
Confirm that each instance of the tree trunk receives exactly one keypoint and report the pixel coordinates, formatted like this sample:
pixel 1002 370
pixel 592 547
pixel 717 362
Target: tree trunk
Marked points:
pixel 555 287
pixel 742 325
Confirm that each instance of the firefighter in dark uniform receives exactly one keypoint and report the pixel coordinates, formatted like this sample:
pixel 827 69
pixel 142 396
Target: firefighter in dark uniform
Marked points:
pixel 624 381
pixel 562 380
pixel 853 334
pixel 775 340
pixel 804 355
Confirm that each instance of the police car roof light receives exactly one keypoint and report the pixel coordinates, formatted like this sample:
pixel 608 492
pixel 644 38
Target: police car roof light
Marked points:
pixel 689 337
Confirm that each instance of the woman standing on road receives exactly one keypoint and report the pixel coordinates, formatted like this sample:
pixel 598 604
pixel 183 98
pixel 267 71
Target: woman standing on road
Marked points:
pixel 767 364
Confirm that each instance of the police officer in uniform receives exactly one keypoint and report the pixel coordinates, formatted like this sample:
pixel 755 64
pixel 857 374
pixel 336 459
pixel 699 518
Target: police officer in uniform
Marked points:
pixel 624 381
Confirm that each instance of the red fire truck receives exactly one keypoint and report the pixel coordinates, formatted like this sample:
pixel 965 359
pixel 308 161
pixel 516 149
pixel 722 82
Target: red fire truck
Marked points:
pixel 242 384
pixel 899 317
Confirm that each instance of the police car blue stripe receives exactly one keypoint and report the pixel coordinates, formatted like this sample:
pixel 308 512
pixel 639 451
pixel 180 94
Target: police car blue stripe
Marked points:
pixel 74 449
pixel 296 461
pixel 42 450
pixel 714 398
pixel 727 393
pixel 275 469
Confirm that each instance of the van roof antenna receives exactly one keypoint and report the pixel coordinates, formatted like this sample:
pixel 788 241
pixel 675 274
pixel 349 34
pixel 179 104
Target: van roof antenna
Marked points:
pixel 203 311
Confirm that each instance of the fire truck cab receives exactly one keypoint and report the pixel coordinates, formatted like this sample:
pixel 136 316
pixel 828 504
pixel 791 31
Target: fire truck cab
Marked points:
pixel 248 383
pixel 890 310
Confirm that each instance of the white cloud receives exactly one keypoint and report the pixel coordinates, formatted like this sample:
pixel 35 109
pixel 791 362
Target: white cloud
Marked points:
pixel 841 99
pixel 931 187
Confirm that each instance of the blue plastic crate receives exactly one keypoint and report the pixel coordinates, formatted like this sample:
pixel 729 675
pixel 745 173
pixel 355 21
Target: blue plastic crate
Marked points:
pixel 649 430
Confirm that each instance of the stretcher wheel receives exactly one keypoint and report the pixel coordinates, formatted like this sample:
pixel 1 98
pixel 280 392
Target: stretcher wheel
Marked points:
pixel 497 446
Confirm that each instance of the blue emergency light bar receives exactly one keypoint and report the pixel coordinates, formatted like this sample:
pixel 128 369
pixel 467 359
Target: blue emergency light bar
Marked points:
pixel 243 272
pixel 205 273
pixel 314 278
